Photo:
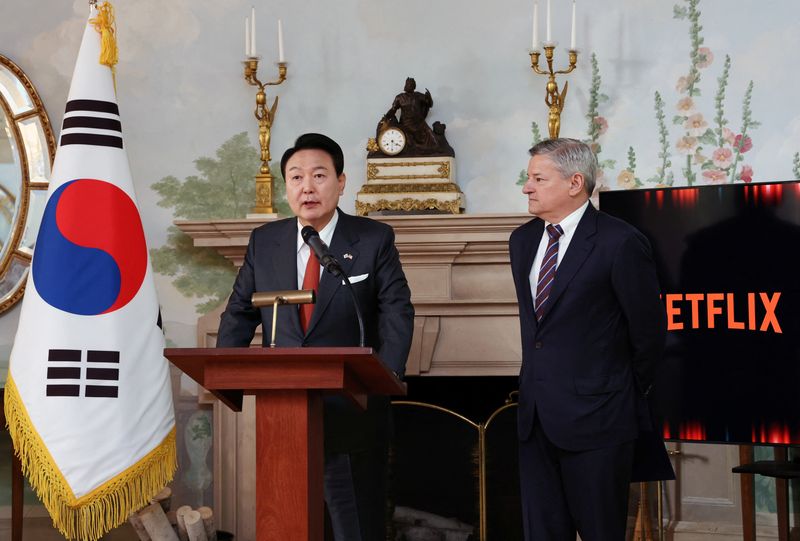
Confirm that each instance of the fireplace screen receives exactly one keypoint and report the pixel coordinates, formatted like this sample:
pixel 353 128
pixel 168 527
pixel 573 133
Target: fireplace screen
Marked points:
pixel 453 478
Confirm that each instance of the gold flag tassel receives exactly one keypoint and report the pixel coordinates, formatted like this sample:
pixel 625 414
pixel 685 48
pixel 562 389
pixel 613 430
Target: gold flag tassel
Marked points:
pixel 106 507
pixel 106 26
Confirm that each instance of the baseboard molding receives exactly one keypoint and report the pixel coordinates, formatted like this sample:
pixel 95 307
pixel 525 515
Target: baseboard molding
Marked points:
pixel 720 531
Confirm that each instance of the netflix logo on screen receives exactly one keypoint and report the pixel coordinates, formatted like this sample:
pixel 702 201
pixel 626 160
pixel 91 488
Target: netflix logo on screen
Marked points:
pixel 730 283
pixel 756 311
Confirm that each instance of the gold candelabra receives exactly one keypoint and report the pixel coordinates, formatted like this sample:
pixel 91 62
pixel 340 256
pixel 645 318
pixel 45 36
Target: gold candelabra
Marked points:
pixel 264 115
pixel 553 99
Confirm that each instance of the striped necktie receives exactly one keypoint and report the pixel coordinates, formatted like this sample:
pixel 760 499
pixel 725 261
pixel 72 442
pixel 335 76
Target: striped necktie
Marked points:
pixel 547 272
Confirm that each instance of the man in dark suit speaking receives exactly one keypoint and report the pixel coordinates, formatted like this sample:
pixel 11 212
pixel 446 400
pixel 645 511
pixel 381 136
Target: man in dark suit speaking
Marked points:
pixel 593 331
pixel 356 442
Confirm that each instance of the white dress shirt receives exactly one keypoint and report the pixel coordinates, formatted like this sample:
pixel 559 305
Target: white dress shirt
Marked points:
pixel 568 225
pixel 303 250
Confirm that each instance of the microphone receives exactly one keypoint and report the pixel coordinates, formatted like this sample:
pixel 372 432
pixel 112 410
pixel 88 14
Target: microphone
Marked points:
pixel 329 263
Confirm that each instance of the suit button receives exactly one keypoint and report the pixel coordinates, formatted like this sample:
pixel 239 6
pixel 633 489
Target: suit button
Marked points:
pixel 538 345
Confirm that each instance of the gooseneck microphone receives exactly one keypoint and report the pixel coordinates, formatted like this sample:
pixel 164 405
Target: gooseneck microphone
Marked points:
pixel 328 262
pixel 331 265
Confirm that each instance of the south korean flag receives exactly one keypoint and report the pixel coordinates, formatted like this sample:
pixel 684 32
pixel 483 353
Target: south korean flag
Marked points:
pixel 88 397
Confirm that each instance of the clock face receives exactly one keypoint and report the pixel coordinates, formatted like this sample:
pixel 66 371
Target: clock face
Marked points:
pixel 392 141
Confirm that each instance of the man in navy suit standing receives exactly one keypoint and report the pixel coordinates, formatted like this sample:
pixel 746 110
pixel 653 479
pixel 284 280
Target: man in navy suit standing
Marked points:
pixel 356 442
pixel 593 332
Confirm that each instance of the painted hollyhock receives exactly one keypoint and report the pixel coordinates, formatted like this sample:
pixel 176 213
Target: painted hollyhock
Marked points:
pixel 701 134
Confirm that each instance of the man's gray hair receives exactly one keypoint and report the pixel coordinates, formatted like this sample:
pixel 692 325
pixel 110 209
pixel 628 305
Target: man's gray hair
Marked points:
pixel 570 156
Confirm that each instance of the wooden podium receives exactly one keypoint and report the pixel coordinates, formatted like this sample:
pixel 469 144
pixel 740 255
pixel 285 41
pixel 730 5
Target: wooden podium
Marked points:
pixel 288 384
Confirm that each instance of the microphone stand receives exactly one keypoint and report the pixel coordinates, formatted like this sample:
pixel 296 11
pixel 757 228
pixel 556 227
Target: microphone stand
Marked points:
pixel 358 309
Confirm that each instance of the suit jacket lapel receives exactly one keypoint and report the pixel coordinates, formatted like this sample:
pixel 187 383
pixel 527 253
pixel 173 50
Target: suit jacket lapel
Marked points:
pixel 284 261
pixel 345 238
pixel 526 264
pixel 578 250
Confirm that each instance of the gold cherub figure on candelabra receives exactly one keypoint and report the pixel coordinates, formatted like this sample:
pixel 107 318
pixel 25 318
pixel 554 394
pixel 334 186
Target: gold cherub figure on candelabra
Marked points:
pixel 553 98
pixel 265 115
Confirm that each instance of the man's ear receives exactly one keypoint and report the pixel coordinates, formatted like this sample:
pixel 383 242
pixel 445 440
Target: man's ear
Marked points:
pixel 576 184
pixel 342 182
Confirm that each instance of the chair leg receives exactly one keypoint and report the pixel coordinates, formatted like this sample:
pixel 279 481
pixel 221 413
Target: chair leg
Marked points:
pixel 748 495
pixel 782 497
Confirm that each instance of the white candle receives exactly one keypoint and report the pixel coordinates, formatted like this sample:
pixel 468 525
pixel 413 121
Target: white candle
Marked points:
pixel 572 40
pixel 253 32
pixel 548 21
pixel 246 37
pixel 280 42
pixel 535 42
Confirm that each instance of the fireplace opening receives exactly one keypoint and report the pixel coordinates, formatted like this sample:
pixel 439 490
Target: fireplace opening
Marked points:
pixel 454 462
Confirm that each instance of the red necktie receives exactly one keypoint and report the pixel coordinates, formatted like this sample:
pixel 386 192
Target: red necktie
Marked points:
pixel 310 281
pixel 547 272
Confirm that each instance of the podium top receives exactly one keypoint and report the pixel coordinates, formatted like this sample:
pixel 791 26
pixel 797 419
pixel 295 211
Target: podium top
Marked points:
pixel 230 372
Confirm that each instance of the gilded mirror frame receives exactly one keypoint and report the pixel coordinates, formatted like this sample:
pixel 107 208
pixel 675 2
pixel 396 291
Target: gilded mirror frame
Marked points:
pixel 30 135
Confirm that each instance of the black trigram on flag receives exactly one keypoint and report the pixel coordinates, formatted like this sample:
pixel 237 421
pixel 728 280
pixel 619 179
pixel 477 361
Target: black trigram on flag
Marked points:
pixel 66 375
pixel 91 122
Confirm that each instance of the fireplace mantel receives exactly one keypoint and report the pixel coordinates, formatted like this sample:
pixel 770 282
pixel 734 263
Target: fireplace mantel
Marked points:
pixel 458 269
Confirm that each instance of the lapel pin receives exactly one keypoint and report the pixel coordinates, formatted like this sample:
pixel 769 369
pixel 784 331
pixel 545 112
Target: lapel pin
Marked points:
pixel 348 256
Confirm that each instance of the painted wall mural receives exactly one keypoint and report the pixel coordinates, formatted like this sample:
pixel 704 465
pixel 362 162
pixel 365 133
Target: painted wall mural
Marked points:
pixel 666 93
pixel 223 189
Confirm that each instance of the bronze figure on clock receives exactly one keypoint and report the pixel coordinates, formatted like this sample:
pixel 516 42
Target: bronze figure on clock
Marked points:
pixel 410 135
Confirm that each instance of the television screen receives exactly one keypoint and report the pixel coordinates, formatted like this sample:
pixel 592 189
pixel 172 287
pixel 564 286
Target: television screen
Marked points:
pixel 729 270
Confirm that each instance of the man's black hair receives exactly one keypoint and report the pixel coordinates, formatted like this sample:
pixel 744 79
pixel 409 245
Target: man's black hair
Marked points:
pixel 319 142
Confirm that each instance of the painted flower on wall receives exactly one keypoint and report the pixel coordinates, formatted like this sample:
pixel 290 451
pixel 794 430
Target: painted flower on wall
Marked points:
pixel 728 136
pixel 602 125
pixel 715 176
pixel 710 151
pixel 684 83
pixel 722 157
pixel 706 132
pixel 705 57
pixel 695 125
pixel 626 179
pixel 747 173
pixel 686 145
pixel 685 106
pixel 743 143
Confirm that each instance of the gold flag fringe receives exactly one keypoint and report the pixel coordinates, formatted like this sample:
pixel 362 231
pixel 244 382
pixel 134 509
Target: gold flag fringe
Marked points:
pixel 106 507
pixel 106 26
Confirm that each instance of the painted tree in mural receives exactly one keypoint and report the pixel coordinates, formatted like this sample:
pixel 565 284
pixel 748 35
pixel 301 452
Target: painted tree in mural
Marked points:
pixel 222 189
